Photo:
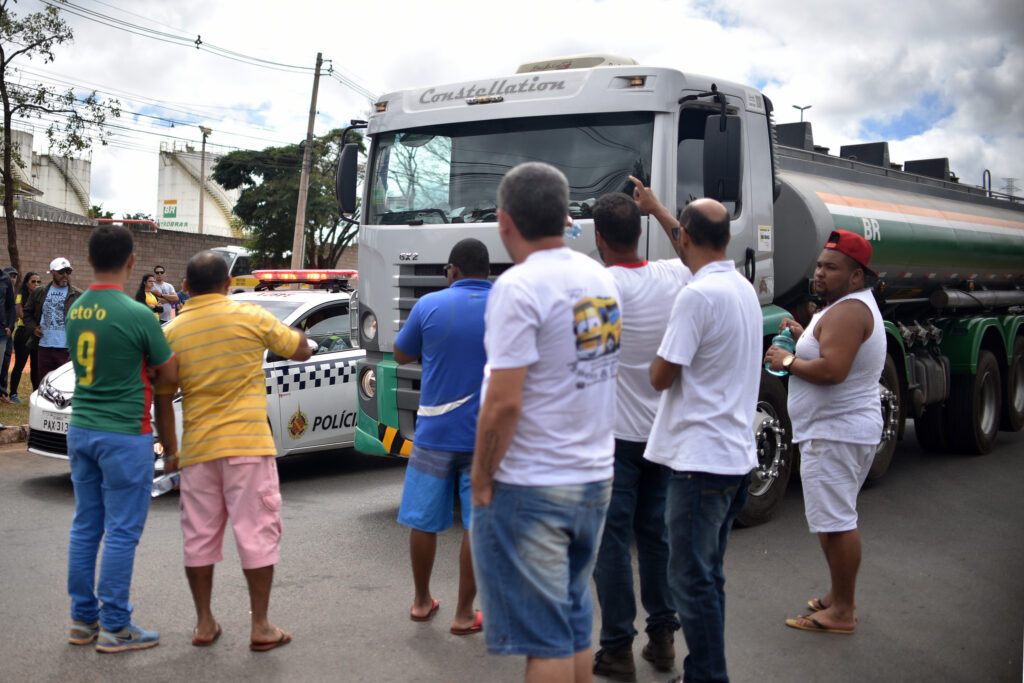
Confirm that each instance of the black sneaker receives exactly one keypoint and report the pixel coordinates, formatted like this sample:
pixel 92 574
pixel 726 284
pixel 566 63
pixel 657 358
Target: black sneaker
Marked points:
pixel 616 664
pixel 660 649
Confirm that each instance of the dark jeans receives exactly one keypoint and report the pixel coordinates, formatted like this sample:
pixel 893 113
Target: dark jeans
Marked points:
pixel 700 511
pixel 21 356
pixel 5 365
pixel 637 508
pixel 50 359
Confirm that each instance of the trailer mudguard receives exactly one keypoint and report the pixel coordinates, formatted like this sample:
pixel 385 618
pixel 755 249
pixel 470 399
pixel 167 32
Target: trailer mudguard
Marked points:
pixel 962 337
pixel 1010 326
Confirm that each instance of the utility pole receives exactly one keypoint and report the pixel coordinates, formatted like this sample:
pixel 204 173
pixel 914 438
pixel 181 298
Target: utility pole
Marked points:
pixel 202 175
pixel 299 239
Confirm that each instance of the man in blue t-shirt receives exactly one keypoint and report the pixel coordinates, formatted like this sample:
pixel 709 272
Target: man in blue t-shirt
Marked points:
pixel 445 331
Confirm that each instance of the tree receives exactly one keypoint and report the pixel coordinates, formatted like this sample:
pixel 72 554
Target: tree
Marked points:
pixel 96 211
pixel 270 189
pixel 77 117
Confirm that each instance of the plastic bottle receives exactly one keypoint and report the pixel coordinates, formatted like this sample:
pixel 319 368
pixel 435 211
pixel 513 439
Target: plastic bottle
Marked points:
pixel 165 483
pixel 784 340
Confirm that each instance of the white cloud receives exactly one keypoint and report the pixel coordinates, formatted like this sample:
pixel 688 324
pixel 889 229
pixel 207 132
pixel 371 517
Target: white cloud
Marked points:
pixel 853 60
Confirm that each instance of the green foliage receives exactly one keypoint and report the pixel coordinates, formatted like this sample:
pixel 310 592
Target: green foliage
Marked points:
pixel 96 211
pixel 79 118
pixel 269 180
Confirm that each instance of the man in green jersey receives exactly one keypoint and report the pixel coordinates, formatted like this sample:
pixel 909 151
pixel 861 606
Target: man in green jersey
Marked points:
pixel 118 350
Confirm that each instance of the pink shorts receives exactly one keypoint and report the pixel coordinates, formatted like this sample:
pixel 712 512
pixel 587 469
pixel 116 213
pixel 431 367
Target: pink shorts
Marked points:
pixel 243 489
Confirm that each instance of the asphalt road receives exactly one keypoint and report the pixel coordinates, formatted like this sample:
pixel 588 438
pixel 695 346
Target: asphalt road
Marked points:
pixel 940 597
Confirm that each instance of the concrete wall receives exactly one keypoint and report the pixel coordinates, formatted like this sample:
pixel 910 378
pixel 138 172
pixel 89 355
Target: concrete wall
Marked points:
pixel 40 242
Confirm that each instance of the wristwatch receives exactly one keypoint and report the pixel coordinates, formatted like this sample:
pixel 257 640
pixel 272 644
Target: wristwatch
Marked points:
pixel 787 361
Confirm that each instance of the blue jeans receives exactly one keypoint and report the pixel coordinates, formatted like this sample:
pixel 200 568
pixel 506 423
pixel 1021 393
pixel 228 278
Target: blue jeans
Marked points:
pixel 533 555
pixel 113 477
pixel 700 511
pixel 637 508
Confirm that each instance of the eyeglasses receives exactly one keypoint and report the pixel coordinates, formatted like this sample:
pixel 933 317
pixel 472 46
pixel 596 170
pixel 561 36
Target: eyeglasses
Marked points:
pixel 65 271
pixel 159 272
pixel 35 281
pixel 446 268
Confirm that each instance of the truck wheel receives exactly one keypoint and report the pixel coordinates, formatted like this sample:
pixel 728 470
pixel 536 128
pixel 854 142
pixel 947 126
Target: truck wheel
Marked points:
pixel 930 429
pixel 1013 401
pixel 973 407
pixel 775 453
pixel 892 413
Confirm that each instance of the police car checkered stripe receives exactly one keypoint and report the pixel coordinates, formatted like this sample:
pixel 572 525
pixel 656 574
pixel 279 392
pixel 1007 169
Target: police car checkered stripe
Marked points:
pixel 310 376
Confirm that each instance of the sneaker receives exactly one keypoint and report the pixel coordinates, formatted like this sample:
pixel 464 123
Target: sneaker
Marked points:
pixel 15 399
pixel 131 637
pixel 616 664
pixel 660 649
pixel 82 632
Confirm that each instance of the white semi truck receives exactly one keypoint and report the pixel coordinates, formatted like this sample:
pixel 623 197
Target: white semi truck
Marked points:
pixel 950 256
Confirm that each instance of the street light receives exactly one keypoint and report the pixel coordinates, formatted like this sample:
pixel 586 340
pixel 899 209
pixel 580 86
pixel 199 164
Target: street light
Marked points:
pixel 202 175
pixel 802 111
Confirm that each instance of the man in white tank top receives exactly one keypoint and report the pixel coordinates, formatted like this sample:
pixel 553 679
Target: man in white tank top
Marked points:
pixel 836 413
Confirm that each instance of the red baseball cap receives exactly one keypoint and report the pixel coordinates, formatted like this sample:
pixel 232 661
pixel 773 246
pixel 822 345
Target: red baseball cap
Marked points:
pixel 853 245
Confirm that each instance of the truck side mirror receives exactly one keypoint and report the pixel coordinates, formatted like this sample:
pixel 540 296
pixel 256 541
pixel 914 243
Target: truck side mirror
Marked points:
pixel 345 182
pixel 723 158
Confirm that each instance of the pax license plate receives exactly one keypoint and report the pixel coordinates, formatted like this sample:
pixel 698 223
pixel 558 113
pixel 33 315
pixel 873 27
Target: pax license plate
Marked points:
pixel 55 422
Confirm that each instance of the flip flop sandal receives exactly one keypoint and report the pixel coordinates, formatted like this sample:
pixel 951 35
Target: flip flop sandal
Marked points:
pixel 434 605
pixel 478 625
pixel 809 623
pixel 205 642
pixel 263 647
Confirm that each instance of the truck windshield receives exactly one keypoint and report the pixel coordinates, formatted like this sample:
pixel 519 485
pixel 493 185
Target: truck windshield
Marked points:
pixel 450 173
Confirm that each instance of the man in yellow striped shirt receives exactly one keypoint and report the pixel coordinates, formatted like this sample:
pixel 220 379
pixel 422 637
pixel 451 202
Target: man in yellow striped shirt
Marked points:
pixel 227 464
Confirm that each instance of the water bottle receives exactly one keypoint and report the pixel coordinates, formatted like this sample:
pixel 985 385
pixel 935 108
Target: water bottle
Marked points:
pixel 165 483
pixel 573 231
pixel 783 340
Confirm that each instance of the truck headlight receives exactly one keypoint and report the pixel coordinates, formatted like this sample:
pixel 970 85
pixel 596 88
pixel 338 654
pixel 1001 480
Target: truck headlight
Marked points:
pixel 369 326
pixel 368 383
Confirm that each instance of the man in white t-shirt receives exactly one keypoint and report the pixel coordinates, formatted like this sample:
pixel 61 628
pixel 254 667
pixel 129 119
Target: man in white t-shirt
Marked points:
pixel 708 370
pixel 164 293
pixel 542 463
pixel 637 508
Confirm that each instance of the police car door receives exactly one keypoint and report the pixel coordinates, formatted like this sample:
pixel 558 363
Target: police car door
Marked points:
pixel 317 398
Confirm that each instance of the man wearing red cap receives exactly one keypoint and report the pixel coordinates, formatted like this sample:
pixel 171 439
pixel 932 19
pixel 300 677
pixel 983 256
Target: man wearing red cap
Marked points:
pixel 836 413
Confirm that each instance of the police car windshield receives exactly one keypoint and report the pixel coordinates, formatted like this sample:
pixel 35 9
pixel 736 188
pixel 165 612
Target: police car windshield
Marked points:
pixel 450 173
pixel 279 309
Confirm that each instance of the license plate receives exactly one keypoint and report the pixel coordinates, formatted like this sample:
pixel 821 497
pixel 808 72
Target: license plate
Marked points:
pixel 55 422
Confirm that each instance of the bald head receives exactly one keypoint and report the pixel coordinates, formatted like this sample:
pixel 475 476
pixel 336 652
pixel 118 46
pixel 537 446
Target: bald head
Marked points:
pixel 706 221
pixel 207 273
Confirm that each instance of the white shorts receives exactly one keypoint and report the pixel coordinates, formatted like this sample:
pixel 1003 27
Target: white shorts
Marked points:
pixel 832 473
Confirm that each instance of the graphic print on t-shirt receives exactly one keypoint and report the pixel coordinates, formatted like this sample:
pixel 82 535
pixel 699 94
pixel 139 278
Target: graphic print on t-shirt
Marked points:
pixel 597 326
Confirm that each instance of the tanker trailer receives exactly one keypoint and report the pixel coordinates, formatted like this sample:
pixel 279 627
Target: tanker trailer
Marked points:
pixel 950 286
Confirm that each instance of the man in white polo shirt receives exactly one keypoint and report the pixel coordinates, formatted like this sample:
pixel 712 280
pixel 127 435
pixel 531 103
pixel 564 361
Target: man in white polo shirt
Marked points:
pixel 708 370
pixel 637 508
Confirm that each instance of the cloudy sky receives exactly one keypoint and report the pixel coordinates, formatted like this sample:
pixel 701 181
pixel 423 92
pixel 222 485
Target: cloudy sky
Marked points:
pixel 933 77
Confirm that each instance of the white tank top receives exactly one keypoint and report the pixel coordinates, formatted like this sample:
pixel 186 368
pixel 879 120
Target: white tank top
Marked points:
pixel 850 411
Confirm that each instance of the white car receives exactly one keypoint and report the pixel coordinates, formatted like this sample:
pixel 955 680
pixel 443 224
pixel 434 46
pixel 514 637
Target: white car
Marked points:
pixel 311 406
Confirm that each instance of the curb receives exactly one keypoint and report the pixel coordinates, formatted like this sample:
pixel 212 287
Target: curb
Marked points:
pixel 14 434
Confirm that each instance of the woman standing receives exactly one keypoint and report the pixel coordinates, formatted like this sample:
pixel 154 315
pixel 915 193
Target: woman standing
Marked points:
pixel 20 336
pixel 145 294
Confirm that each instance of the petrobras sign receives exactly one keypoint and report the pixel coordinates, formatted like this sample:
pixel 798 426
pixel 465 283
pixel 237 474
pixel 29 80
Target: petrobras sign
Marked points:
pixel 524 86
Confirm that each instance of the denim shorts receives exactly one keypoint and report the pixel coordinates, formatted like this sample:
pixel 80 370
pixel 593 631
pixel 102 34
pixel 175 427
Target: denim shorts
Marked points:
pixel 533 554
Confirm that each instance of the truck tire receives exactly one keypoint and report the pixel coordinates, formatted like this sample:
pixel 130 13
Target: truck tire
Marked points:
pixel 973 407
pixel 890 387
pixel 930 429
pixel 774 435
pixel 1013 400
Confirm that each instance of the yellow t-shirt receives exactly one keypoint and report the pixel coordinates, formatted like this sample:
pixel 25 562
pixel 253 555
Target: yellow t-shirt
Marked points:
pixel 219 344
pixel 18 323
pixel 152 302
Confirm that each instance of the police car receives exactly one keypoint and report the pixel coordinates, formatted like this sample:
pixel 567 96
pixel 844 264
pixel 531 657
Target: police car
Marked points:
pixel 311 406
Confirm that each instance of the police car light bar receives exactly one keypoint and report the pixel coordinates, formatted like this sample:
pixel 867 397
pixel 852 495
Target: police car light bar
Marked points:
pixel 305 275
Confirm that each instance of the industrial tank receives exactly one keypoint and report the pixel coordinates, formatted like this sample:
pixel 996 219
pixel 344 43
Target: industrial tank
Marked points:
pixel 926 234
